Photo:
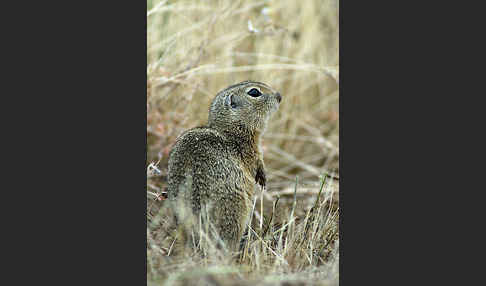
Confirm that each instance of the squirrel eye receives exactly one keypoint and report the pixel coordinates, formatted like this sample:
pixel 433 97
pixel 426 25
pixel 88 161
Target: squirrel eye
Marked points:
pixel 254 92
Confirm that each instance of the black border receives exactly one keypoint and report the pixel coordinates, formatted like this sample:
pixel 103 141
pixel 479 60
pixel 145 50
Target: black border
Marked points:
pixel 78 205
pixel 408 133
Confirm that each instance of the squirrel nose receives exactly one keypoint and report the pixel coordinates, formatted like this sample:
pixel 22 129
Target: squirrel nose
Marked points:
pixel 279 97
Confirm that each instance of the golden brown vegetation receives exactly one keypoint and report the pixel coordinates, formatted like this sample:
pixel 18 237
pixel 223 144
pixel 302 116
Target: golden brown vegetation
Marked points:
pixel 195 49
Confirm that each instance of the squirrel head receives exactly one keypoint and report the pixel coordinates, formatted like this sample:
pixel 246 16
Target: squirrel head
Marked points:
pixel 246 105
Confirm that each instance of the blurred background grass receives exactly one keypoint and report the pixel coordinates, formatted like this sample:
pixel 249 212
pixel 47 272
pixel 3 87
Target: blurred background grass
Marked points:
pixel 197 48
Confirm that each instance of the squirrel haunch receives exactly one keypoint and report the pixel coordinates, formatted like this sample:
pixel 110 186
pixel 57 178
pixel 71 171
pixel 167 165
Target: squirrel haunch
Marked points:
pixel 213 169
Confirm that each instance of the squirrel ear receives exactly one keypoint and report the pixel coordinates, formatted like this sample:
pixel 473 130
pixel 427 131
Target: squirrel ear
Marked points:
pixel 229 101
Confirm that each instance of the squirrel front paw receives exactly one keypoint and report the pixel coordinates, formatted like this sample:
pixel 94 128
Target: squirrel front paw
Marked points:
pixel 260 177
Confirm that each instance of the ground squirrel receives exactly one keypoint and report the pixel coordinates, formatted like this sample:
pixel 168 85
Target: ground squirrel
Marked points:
pixel 213 169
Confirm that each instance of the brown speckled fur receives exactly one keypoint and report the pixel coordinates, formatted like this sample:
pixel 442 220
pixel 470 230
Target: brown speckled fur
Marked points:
pixel 215 167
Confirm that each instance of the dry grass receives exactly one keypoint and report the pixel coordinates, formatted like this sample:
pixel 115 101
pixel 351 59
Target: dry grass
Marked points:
pixel 292 242
pixel 195 49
